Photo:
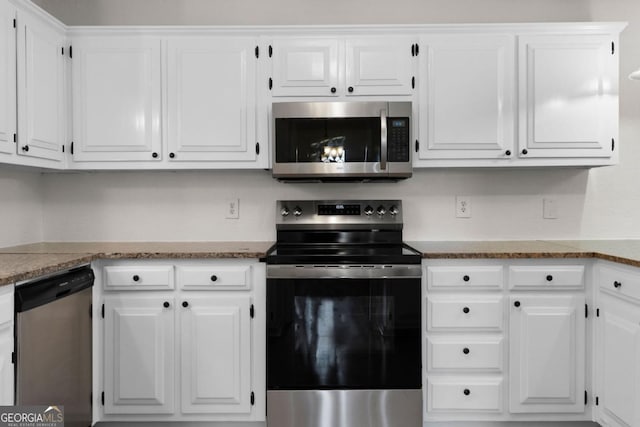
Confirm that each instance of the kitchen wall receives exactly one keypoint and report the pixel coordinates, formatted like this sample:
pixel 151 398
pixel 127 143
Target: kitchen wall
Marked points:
pixel 21 208
pixel 506 204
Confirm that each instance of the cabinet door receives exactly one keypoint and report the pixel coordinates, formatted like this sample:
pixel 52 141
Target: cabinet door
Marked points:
pixel 379 66
pixel 116 99
pixel 467 108
pixel 41 85
pixel 568 96
pixel 547 354
pixel 216 349
pixel 305 67
pixel 212 99
pixel 618 362
pixel 7 78
pixel 6 366
pixel 139 355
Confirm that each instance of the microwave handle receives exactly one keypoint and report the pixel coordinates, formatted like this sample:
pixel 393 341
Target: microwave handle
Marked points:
pixel 383 139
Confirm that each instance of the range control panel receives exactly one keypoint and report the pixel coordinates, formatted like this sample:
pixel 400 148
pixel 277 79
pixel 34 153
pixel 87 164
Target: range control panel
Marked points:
pixel 334 213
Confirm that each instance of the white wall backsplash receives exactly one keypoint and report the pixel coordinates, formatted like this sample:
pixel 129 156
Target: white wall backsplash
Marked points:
pixel 507 204
pixel 20 207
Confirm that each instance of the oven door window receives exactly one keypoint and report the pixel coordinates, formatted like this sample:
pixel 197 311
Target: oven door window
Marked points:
pixel 343 334
pixel 330 140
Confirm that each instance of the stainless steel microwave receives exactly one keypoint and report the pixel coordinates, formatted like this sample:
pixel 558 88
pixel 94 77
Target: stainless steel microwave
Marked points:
pixel 328 141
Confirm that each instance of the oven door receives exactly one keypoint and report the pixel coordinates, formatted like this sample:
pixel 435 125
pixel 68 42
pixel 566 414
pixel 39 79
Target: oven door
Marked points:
pixel 343 333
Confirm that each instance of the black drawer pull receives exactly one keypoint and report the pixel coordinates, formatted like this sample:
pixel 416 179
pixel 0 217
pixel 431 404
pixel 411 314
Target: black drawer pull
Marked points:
pixel 517 303
pixel 185 304
pixel 617 284
pixel 166 304
pixel 214 278
pixel 465 350
pixel 136 278
pixel 466 278
pixel 467 392
pixel 549 278
pixel 465 310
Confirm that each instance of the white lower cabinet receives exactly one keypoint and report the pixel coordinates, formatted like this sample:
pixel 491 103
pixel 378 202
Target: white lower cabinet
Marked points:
pixel 184 354
pixel 6 346
pixel 618 346
pixel 505 341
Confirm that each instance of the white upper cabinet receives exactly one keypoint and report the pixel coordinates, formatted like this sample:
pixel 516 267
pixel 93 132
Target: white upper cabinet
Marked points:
pixel 332 67
pixel 467 108
pixel 7 78
pixel 568 91
pixel 211 97
pixel 305 66
pixel 116 98
pixel 547 354
pixel 41 83
pixel 379 66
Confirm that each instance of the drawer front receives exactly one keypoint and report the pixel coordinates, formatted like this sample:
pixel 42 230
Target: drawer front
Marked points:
pixel 449 394
pixel 445 353
pixel 472 277
pixel 214 278
pixel 6 304
pixel 133 277
pixel 547 277
pixel 619 281
pixel 447 312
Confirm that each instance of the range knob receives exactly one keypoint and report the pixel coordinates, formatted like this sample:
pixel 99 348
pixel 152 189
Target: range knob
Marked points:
pixel 393 210
pixel 284 211
pixel 381 210
pixel 297 211
pixel 368 210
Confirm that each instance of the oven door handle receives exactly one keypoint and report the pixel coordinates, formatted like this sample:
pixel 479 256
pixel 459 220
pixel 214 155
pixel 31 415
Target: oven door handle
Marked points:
pixel 383 139
pixel 286 271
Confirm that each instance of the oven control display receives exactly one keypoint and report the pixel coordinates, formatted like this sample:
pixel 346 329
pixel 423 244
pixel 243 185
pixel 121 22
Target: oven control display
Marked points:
pixel 338 209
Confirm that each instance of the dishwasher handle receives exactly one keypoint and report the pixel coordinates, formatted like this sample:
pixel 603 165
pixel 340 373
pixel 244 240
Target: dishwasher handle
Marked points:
pixel 43 291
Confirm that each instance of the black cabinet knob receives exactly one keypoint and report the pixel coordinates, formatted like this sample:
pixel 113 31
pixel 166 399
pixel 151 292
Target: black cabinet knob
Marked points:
pixel 466 278
pixel 517 303
pixel 166 304
pixel 333 90
pixel 525 151
pixel 350 89
pixel 214 278
pixel 467 392
pixel 617 284
pixel 25 148
pixel 185 304
pixel 154 155
pixel 549 277
pixel 136 278
pixel 507 153
pixel 465 350
pixel 465 310
pixel 172 155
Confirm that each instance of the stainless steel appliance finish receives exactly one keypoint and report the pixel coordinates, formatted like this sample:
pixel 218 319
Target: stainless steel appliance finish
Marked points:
pixel 345 408
pixel 343 317
pixel 53 344
pixel 373 139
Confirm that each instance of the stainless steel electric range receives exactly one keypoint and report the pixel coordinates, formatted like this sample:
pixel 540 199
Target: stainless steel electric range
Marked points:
pixel 343 317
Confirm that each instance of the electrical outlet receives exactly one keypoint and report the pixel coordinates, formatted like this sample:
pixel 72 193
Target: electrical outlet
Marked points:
pixel 549 208
pixel 232 208
pixel 463 207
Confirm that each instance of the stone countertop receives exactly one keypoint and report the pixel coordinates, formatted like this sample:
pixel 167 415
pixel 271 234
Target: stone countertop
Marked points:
pixel 621 251
pixel 25 262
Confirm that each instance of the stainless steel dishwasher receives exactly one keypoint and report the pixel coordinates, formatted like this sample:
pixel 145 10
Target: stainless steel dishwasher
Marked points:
pixel 53 344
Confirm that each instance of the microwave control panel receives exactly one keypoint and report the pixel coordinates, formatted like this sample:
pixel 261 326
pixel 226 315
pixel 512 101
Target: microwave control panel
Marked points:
pixel 398 139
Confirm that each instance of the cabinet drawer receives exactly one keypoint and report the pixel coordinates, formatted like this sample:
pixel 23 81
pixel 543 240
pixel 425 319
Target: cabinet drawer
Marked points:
pixel 214 277
pixel 473 277
pixel 447 394
pixel 454 312
pixel 619 281
pixel 464 354
pixel 547 277
pixel 135 277
pixel 6 304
